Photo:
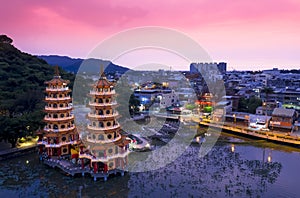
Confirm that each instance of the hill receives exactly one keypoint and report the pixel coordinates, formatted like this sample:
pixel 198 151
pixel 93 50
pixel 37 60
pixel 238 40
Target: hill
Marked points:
pixel 73 64
pixel 22 78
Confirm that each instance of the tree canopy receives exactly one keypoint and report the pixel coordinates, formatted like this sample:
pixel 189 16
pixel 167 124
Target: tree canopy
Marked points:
pixel 5 39
pixel 22 78
pixel 249 105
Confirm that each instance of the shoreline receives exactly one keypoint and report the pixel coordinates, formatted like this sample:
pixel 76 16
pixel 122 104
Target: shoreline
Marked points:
pixel 16 152
pixel 271 136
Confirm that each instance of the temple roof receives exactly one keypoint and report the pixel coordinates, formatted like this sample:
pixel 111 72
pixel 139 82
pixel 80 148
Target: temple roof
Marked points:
pixel 57 80
pixel 103 82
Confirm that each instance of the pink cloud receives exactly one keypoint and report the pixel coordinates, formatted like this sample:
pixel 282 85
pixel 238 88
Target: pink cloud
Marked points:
pixel 228 29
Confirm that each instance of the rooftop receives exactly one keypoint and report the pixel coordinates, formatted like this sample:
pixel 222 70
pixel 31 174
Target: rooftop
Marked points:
pixel 283 112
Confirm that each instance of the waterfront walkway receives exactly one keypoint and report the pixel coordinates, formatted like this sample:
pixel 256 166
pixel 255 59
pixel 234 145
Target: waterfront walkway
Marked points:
pixel 276 136
pixel 22 148
pixel 72 169
pixel 292 139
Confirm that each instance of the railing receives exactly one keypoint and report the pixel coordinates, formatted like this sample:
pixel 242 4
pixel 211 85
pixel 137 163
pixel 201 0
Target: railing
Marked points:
pixel 104 141
pixel 57 89
pixel 58 98
pixel 269 135
pixel 103 128
pixel 102 104
pixel 103 93
pixel 115 114
pixel 53 145
pixel 58 108
pixel 104 159
pixel 75 169
pixel 59 130
pixel 167 115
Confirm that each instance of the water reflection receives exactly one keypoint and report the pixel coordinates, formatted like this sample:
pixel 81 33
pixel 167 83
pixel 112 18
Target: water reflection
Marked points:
pixel 217 174
pixel 232 148
pixel 19 179
pixel 247 172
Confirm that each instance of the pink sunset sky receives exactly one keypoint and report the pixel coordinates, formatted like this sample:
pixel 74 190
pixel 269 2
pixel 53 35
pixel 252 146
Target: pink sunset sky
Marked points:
pixel 248 35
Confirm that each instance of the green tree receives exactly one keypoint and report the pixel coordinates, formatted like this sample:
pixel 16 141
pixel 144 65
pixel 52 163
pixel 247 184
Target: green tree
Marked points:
pixel 190 106
pixel 249 105
pixel 124 98
pixel 5 39
pixel 12 129
pixel 243 105
pixel 267 91
pixel 133 104
pixel 22 78
pixel 253 103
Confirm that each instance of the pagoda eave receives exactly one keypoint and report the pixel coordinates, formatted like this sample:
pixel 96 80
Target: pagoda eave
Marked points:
pixel 57 82
pixel 109 118
pixel 104 131
pixel 57 100
pixel 101 95
pixel 50 145
pixel 66 122
pixel 61 131
pixel 60 120
pixel 99 146
pixel 103 106
pixel 57 91
pixel 58 110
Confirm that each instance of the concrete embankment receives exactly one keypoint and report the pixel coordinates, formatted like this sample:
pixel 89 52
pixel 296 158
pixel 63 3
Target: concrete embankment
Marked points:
pixel 15 152
pixel 274 136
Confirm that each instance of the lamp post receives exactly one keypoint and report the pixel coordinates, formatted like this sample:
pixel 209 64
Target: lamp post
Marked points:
pixel 234 118
pixel 266 113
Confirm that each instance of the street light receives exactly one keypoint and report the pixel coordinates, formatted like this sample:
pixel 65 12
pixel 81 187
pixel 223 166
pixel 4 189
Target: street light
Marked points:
pixel 266 113
pixel 234 118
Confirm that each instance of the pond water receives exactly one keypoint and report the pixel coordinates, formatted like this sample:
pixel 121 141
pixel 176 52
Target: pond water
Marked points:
pixel 235 167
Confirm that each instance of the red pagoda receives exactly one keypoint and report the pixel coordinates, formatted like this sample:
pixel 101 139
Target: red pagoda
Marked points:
pixel 106 150
pixel 59 134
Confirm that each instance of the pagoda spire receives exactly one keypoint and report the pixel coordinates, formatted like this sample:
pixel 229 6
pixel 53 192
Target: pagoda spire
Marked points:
pixel 56 71
pixel 102 74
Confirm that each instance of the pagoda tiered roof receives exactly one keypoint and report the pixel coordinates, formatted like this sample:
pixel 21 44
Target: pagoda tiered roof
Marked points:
pixel 103 83
pixel 57 80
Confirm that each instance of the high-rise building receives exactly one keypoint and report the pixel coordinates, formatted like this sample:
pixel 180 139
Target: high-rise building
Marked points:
pixel 204 67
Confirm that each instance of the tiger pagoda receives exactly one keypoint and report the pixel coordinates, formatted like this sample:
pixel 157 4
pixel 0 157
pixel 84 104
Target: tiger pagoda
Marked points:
pixel 105 149
pixel 59 135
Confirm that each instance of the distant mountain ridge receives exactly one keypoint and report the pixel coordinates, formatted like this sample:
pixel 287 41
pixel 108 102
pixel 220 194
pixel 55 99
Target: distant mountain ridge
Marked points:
pixel 73 64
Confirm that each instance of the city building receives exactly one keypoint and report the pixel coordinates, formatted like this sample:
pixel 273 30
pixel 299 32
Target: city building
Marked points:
pixel 283 119
pixel 59 133
pixel 199 67
pixel 105 149
pixel 146 96
pixel 267 108
pixel 289 98
pixel 168 100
